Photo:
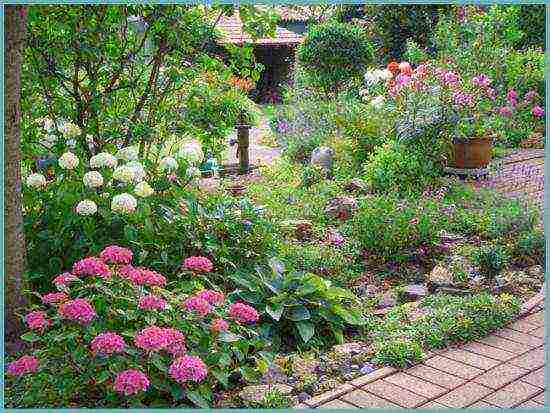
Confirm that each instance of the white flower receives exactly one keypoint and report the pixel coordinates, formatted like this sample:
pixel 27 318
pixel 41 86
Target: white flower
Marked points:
pixel 143 189
pixel 86 207
pixel 168 163
pixel 192 153
pixel 48 141
pixel 93 179
pixel 130 153
pixel 139 171
pixel 70 130
pixel 385 74
pixel 48 124
pixel 36 180
pixel 193 172
pixel 68 160
pixel 371 77
pixel 103 160
pixel 124 203
pixel 378 101
pixel 124 174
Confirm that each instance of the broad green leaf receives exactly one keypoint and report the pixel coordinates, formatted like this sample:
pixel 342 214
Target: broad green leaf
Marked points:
pixel 299 314
pixel 306 330
pixel 275 311
pixel 228 337
pixel 197 399
pixel 31 337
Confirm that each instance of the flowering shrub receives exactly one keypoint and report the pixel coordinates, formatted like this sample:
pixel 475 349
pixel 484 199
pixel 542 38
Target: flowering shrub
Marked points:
pixel 97 341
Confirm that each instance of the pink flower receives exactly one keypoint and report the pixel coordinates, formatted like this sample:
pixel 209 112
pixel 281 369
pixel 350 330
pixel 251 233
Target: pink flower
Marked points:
pixel 243 313
pixel 155 338
pixel 176 342
pixel 405 67
pixel 61 281
pixel 218 325
pixel 529 96
pixel 188 368
pixel 537 111
pixel 23 365
pixel 463 99
pixel 78 310
pixel 141 276
pixel 131 382
pixel 490 93
pixel 108 343
pixel 213 297
pixel 421 71
pixel 37 320
pixel 505 111
pixel 198 264
pixel 54 298
pixel 114 254
pixel 129 272
pixel 335 238
pixel 198 305
pixel 450 78
pixel 92 266
pixel 481 81
pixel 512 96
pixel 402 79
pixel 151 302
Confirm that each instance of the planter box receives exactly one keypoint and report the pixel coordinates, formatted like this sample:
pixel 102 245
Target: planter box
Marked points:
pixel 473 153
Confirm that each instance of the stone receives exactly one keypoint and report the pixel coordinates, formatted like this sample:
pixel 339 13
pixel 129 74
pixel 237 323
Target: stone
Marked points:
pixel 303 367
pixel 353 348
pixel 303 396
pixel 367 368
pixel 388 299
pixel 274 374
pixel 366 290
pixel 342 207
pixel 440 277
pixel 257 393
pixel 413 292
pixel 322 156
pixel 356 185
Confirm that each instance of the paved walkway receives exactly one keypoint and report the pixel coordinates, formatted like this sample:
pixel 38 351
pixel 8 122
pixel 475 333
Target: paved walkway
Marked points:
pixel 502 370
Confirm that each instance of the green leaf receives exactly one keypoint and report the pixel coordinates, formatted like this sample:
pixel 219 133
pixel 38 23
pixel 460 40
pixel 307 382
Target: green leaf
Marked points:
pixel 349 316
pixel 306 330
pixel 197 399
pixel 228 337
pixel 222 377
pixel 275 311
pixel 276 266
pixel 157 362
pixel 104 375
pixel 299 314
pixel 31 337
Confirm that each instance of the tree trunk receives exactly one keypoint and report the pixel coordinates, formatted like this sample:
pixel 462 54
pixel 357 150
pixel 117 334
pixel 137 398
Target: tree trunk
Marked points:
pixel 14 237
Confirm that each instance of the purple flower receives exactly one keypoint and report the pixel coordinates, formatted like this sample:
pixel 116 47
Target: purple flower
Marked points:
pixel 529 96
pixel 481 80
pixel 537 111
pixel 282 126
pixel 512 97
pixel 505 111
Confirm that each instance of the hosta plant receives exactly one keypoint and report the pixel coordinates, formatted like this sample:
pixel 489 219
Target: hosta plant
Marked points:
pixel 112 335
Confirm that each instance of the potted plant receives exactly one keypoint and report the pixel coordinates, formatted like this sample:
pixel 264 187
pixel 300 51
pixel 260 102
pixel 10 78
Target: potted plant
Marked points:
pixel 472 143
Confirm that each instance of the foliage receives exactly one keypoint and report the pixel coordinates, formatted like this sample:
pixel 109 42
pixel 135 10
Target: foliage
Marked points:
pixel 297 306
pixel 532 24
pixel 273 399
pixel 491 259
pixel 75 369
pixel 333 53
pixel 398 353
pixel 530 246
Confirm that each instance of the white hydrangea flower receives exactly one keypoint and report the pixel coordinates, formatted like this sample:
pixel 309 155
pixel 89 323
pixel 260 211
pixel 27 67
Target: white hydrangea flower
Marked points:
pixel 130 153
pixel 103 160
pixel 168 163
pixel 70 130
pixel 378 101
pixel 139 170
pixel 143 189
pixel 124 203
pixel 48 141
pixel 124 174
pixel 36 180
pixel 93 179
pixel 68 160
pixel 86 207
pixel 192 153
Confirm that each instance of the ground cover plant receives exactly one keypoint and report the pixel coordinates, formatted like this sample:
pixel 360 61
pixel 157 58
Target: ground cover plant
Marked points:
pixel 155 279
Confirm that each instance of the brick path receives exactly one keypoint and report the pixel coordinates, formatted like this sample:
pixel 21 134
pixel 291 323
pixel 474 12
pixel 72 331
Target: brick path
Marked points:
pixel 502 370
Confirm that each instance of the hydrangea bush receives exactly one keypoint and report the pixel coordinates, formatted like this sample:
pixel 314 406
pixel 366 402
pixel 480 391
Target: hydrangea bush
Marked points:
pixel 111 334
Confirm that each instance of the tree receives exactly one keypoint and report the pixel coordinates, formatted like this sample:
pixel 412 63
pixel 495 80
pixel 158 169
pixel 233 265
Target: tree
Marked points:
pixel 14 237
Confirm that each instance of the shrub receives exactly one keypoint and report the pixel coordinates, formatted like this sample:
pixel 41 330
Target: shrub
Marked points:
pixel 297 306
pixel 398 168
pixel 115 336
pixel 333 53
pixel 530 246
pixel 398 352
pixel 490 259
pixel 532 23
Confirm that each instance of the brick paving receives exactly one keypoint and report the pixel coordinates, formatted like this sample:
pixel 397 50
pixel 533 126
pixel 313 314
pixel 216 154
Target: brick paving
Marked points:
pixel 502 370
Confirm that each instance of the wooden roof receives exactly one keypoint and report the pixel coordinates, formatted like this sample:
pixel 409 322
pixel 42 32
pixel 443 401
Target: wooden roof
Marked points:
pixel 231 29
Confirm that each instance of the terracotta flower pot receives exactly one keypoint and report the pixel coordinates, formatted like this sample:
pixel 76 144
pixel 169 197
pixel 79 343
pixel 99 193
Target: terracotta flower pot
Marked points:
pixel 472 153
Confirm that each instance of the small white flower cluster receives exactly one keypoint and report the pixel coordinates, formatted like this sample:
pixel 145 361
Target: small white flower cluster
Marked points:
pixel 130 153
pixel 93 179
pixel 124 174
pixel 86 207
pixel 191 152
pixel 378 102
pixel 123 203
pixel 373 76
pixel 68 161
pixel 168 164
pixel 36 181
pixel 103 160
pixel 70 130
pixel 138 170
pixel 143 190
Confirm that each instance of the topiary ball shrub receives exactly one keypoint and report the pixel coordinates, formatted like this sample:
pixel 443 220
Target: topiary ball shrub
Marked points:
pixel 333 53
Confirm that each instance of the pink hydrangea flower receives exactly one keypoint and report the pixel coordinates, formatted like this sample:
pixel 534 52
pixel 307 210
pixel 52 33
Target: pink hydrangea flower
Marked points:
pixel 450 78
pixel 537 111
pixel 188 368
pixel 176 342
pixel 23 365
pixel 92 266
pixel 142 276
pixel 198 264
pixel 61 281
pixel 131 382
pixel 129 272
pixel 108 343
pixel 114 254
pixel 218 325
pixel 155 338
pixel 78 310
pixel 198 305
pixel 37 320
pixel 151 302
pixel 243 313
pixel 512 97
pixel 213 297
pixel 51 298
